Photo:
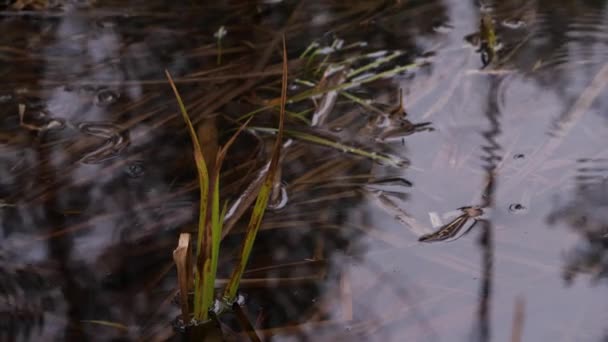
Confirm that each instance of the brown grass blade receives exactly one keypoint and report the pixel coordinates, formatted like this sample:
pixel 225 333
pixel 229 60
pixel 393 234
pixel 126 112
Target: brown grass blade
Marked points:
pixel 182 259
pixel 208 139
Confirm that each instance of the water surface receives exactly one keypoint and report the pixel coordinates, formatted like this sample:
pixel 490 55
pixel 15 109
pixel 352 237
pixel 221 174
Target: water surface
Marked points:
pixel 97 179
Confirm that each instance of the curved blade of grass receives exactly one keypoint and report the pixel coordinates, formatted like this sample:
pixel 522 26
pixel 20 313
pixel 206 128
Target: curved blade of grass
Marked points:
pixel 342 86
pixel 379 157
pixel 262 200
pixel 202 248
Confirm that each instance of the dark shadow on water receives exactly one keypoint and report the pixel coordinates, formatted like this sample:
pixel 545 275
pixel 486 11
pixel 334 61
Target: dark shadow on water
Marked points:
pixel 585 214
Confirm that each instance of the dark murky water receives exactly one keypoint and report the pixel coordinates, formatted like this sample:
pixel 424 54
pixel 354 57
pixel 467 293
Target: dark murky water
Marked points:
pixel 97 179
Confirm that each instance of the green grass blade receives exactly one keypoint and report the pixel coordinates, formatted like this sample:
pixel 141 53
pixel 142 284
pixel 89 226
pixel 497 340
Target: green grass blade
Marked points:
pixel 200 278
pixel 361 102
pixel 252 230
pixel 215 229
pixel 262 200
pixel 214 252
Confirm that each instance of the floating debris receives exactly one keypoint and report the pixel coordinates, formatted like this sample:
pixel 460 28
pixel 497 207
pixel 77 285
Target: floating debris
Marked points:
pixel 115 141
pixel 455 229
pixel 517 208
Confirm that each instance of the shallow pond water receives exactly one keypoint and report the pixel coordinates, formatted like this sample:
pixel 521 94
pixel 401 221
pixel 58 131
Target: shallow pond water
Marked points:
pixel 399 113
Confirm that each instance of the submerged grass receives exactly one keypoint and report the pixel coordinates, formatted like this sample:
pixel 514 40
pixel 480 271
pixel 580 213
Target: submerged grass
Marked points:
pixel 363 79
pixel 315 139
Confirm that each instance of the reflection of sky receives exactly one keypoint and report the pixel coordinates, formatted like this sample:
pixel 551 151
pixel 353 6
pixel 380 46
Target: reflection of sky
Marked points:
pixel 95 51
pixel 447 173
pixel 91 47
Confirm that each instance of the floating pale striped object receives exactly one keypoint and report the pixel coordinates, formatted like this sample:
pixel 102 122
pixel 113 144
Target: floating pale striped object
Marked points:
pixel 456 228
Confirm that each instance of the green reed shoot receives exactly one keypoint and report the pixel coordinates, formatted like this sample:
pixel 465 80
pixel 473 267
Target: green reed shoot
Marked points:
pixel 263 196
pixel 202 270
pixel 209 226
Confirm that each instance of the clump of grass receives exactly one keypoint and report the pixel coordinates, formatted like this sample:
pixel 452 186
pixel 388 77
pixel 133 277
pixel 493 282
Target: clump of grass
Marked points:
pixel 211 218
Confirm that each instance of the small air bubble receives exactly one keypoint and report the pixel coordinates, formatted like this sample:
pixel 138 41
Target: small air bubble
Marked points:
pixel 135 169
pixel 337 129
pixel 517 208
pixel 105 97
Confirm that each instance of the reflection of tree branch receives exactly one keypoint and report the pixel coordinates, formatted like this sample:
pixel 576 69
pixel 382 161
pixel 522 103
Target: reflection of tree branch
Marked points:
pixel 486 240
pixel 485 290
